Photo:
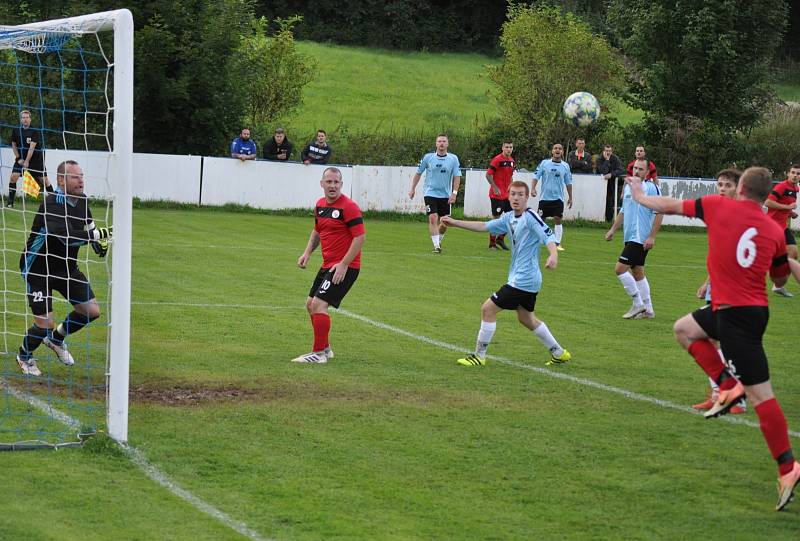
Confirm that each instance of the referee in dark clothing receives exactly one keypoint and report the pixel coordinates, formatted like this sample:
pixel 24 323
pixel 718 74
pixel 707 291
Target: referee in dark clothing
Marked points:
pixel 26 144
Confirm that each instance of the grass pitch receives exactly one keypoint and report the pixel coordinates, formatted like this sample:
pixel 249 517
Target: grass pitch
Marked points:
pixel 391 439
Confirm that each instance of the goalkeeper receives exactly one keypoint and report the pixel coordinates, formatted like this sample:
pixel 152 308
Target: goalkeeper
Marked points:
pixel 49 262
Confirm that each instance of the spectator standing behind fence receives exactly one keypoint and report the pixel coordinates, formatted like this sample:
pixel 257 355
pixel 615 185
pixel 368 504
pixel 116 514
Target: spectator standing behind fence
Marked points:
pixel 317 151
pixel 609 165
pixel 243 147
pixel 278 148
pixel 579 160
pixel 652 173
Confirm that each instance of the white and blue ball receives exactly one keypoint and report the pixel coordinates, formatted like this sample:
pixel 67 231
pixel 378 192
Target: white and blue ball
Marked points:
pixel 582 108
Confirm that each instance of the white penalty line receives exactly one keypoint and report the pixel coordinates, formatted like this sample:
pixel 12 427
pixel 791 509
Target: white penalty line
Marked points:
pixel 553 374
pixel 138 458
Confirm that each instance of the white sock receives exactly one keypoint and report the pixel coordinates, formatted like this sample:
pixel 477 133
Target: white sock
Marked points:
pixel 629 283
pixel 559 233
pixel 544 334
pixel 435 239
pixel 484 337
pixel 644 292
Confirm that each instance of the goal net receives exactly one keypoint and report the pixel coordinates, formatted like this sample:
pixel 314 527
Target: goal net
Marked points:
pixel 66 95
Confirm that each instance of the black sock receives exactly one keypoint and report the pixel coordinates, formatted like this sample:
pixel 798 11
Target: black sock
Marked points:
pixel 32 339
pixel 12 193
pixel 75 321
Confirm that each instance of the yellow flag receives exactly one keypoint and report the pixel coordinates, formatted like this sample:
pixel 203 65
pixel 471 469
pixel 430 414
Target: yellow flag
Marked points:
pixel 29 185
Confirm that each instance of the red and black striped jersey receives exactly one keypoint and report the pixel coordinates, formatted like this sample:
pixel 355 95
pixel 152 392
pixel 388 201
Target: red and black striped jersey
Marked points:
pixel 338 223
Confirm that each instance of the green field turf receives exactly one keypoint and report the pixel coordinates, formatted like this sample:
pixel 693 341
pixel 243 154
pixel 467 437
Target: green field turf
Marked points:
pixel 391 439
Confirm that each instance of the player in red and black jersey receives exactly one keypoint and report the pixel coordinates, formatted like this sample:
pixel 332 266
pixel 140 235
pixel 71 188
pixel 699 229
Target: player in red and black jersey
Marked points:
pixel 499 174
pixel 781 207
pixel 339 228
pixel 743 246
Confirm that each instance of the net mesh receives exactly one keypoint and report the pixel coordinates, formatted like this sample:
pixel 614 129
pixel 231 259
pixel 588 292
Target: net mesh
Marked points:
pixel 64 77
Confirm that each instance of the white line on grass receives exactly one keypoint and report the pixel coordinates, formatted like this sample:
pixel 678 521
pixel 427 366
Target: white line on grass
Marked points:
pixel 138 458
pixel 553 374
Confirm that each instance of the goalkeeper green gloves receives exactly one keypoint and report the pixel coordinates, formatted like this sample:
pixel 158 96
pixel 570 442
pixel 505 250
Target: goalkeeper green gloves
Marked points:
pixel 102 233
pixel 100 247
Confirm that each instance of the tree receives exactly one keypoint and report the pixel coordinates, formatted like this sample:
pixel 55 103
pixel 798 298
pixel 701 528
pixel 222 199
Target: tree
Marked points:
pixel 548 55
pixel 704 60
pixel 272 70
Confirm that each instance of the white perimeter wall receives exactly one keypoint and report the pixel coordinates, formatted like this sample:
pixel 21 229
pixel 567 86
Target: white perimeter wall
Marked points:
pixel 271 185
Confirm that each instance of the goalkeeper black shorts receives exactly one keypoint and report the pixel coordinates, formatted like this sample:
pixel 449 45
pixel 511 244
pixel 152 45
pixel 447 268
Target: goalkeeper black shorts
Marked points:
pixel 75 288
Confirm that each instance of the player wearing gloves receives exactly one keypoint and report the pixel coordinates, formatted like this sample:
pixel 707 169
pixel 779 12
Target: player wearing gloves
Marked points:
pixel 49 262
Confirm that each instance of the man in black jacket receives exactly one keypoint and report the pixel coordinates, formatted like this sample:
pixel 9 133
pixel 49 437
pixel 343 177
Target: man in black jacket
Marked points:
pixel 610 166
pixel 279 148
pixel 580 160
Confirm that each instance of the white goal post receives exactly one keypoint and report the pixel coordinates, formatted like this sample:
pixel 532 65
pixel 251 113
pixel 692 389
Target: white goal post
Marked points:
pixel 39 38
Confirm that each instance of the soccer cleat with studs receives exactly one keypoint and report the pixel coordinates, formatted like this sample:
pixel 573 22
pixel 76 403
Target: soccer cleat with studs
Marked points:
pixel 560 248
pixel 634 311
pixel 645 315
pixel 28 366
pixel 726 400
pixel 437 250
pixel 315 357
pixel 60 350
pixel 782 291
pixel 329 353
pixel 559 359
pixel 471 360
pixel 786 485
pixel 502 244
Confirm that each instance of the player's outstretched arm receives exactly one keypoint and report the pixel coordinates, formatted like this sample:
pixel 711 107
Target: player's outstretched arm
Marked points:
pixel 664 205
pixel 478 227
pixel 313 242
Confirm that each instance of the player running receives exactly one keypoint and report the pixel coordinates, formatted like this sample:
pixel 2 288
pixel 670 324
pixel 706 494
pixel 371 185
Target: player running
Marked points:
pixel 743 245
pixel 641 227
pixel 62 225
pixel 781 207
pixel 339 227
pixel 555 175
pixel 528 233
pixel 499 174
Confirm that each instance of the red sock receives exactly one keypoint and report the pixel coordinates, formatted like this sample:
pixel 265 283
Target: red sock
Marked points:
pixel 776 432
pixel 707 357
pixel 322 326
pixel 492 240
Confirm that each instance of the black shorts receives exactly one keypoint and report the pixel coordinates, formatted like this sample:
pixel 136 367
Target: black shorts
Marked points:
pixel 548 209
pixel 789 236
pixel 509 298
pixel 437 205
pixel 740 330
pixel 500 206
pixel 324 288
pixel 76 289
pixel 633 254
pixel 38 172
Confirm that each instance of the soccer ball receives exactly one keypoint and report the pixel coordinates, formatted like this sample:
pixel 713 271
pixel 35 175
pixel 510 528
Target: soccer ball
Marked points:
pixel 581 108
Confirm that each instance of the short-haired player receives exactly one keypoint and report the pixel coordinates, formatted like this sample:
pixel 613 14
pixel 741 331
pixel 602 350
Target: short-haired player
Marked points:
pixel 782 207
pixel 499 175
pixel 727 180
pixel 528 233
pixel 743 246
pixel 339 228
pixel 556 176
pixel 641 225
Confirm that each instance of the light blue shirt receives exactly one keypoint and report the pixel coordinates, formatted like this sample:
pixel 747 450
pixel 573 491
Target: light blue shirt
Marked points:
pixel 553 177
pixel 439 172
pixel 527 233
pixel 638 218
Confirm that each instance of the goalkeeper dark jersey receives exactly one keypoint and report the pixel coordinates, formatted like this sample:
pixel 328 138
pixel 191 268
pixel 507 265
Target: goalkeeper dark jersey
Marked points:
pixel 59 230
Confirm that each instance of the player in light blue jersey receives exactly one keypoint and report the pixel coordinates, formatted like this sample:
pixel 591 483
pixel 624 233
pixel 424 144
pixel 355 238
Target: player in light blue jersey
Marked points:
pixel 528 233
pixel 442 179
pixel 555 175
pixel 641 228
